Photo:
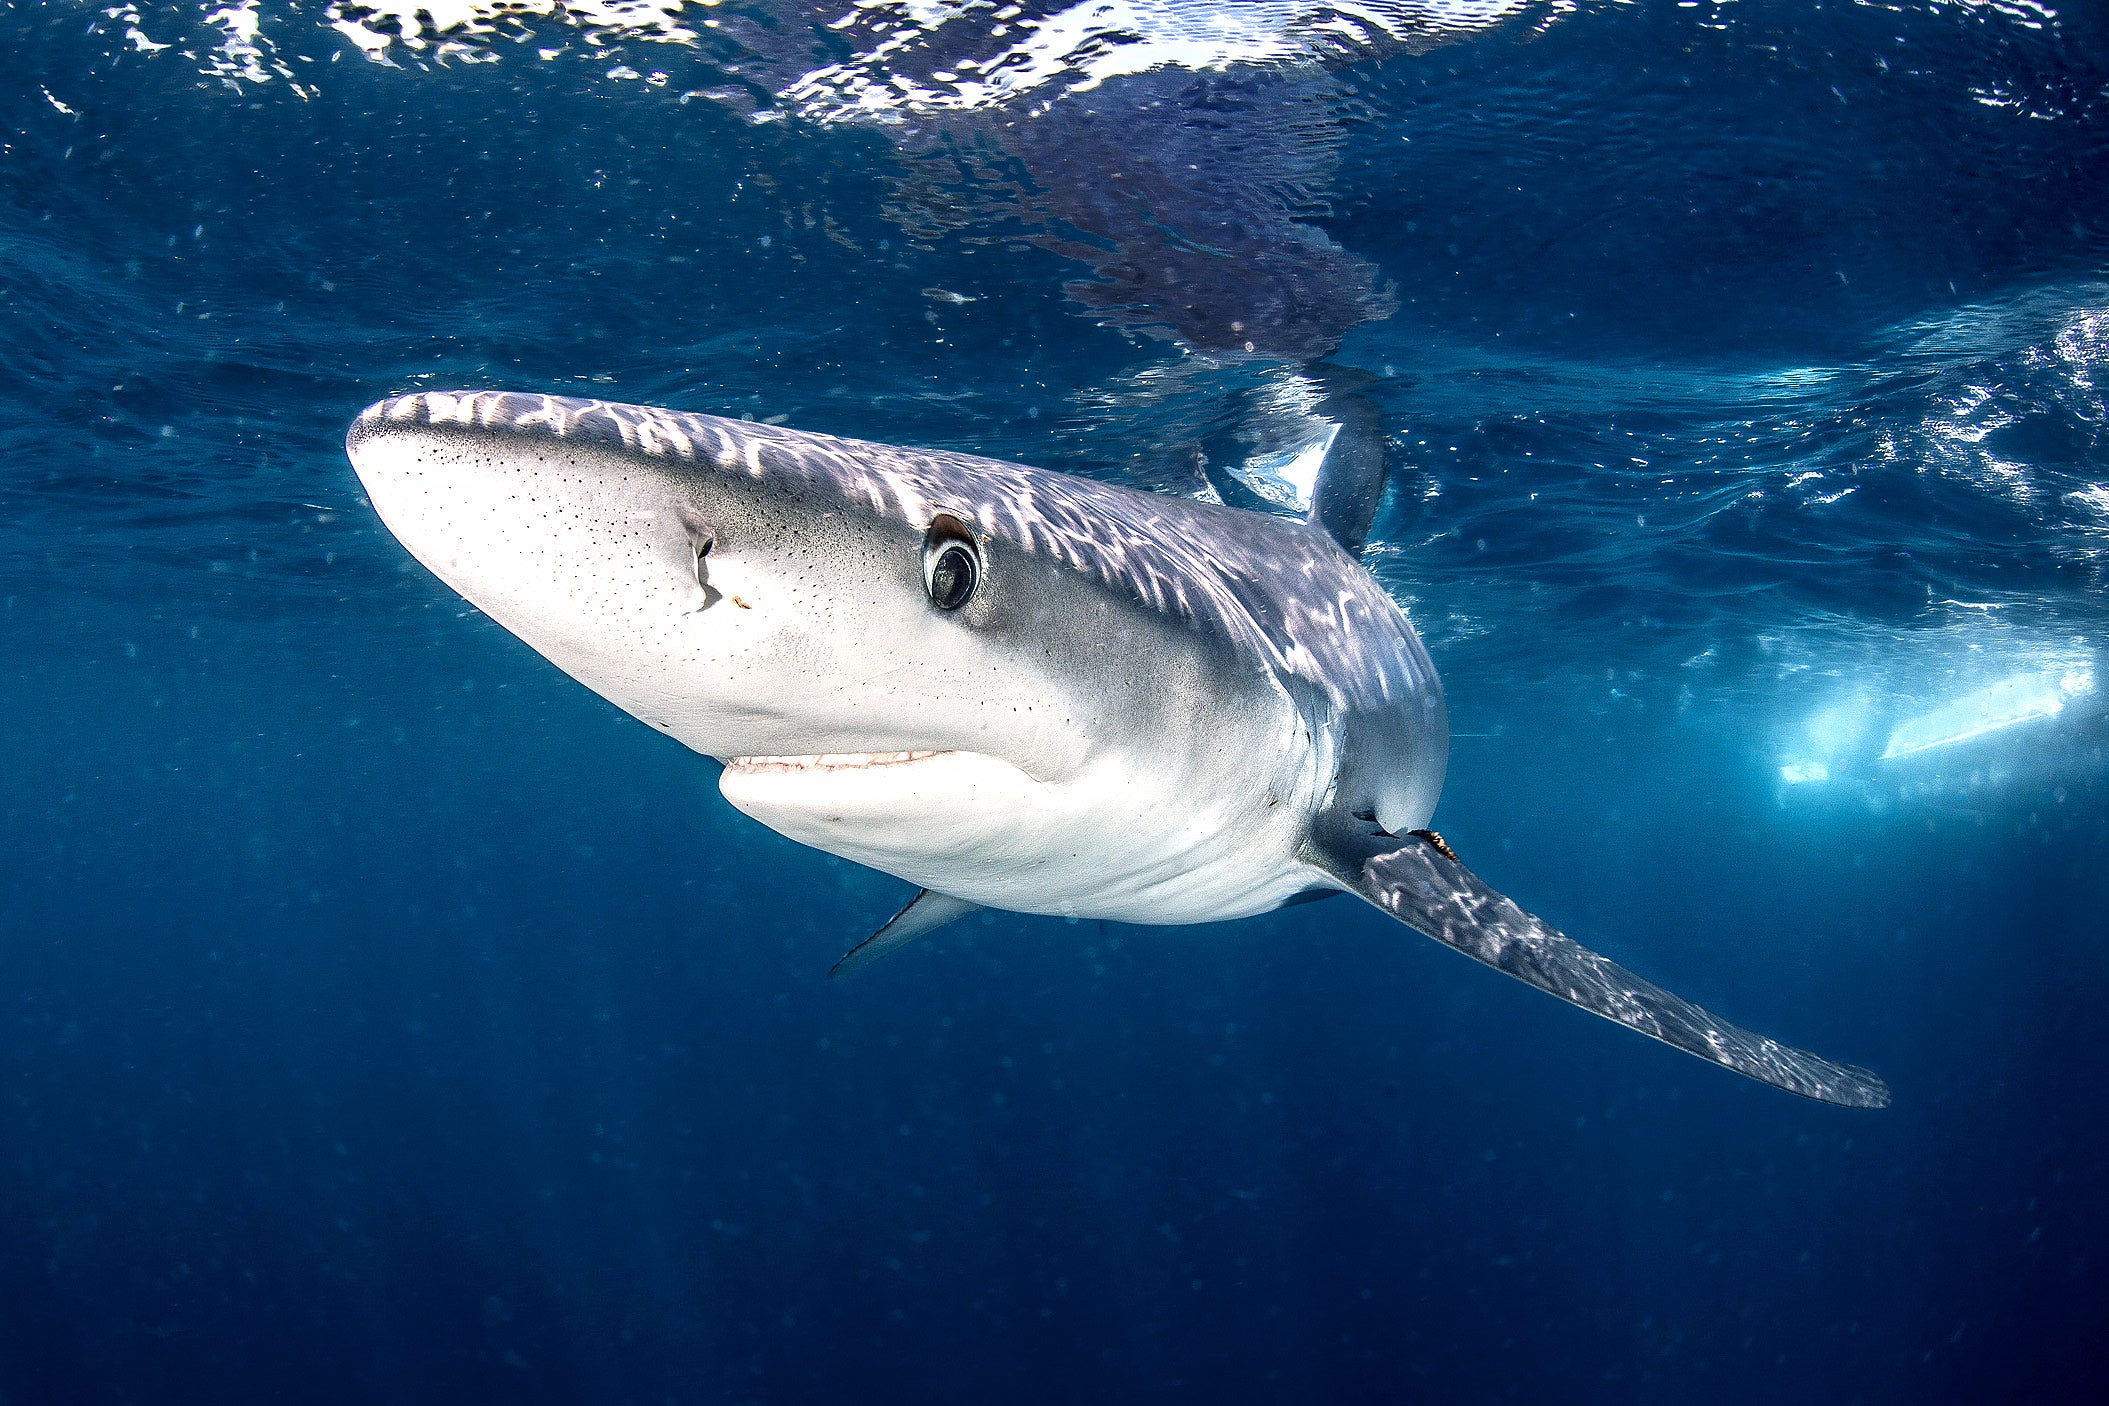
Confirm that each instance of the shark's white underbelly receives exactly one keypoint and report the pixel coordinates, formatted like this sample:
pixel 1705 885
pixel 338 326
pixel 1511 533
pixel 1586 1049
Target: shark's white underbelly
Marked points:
pixel 1141 838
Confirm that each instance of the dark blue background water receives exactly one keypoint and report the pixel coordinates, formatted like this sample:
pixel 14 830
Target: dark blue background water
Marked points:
pixel 383 1017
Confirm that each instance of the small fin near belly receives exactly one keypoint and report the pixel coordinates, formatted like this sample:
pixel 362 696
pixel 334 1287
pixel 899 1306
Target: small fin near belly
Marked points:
pixel 924 913
pixel 1418 880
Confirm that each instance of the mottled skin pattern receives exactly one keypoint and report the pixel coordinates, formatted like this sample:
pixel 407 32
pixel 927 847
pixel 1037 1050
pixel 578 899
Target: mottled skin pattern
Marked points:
pixel 1268 589
pixel 1147 708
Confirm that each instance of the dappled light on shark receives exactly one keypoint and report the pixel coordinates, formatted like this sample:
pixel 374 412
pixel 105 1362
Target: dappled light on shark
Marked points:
pixel 1014 689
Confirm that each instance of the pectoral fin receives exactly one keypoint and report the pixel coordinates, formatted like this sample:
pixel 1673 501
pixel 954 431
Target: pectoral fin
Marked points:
pixel 925 913
pixel 1418 880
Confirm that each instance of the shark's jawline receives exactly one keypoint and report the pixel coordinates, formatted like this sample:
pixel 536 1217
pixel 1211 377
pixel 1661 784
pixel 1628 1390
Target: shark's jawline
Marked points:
pixel 828 761
pixel 1142 708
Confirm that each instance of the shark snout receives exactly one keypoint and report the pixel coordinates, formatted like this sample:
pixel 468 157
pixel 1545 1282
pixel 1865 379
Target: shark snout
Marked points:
pixel 725 594
pixel 501 505
pixel 605 560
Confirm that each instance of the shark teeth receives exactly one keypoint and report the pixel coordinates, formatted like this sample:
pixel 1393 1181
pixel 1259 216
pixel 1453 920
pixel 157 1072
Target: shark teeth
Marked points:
pixel 829 761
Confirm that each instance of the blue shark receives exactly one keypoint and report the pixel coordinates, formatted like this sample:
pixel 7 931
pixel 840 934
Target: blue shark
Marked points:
pixel 1012 688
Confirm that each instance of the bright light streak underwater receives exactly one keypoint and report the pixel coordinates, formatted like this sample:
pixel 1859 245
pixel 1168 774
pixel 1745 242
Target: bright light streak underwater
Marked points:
pixel 2024 697
pixel 2016 699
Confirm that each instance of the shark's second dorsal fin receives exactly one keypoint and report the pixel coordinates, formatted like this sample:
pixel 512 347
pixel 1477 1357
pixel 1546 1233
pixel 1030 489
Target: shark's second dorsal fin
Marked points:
pixel 1418 880
pixel 924 913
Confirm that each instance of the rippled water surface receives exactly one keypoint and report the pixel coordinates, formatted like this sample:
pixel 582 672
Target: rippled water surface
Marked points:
pixel 387 1018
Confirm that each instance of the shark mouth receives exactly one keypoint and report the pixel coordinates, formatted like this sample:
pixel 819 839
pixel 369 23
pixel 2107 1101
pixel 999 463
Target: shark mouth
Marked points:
pixel 828 761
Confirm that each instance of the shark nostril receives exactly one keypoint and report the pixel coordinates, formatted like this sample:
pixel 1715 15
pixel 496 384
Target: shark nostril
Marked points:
pixel 702 537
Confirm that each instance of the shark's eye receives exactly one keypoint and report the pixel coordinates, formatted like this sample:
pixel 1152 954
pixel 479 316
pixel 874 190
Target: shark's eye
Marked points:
pixel 951 563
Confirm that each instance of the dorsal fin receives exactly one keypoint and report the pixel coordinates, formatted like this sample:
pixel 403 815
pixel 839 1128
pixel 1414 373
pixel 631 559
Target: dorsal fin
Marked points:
pixel 1350 483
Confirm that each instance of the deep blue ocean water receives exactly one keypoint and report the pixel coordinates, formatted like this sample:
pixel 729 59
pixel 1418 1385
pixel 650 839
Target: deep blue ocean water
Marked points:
pixel 384 1017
